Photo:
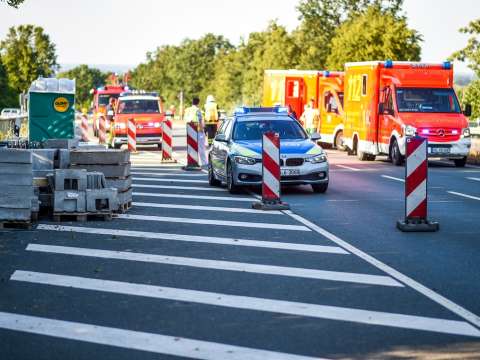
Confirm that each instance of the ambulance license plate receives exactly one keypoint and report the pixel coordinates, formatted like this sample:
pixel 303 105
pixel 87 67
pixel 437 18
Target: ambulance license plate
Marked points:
pixel 438 150
pixel 290 172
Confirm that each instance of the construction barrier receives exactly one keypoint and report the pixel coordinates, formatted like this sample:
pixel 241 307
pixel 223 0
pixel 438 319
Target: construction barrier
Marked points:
pixel 416 176
pixel 271 174
pixel 132 135
pixel 84 127
pixel 102 130
pixel 192 147
pixel 167 136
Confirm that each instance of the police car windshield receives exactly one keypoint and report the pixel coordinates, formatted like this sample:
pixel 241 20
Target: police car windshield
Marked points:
pixel 253 130
pixel 138 106
pixel 427 100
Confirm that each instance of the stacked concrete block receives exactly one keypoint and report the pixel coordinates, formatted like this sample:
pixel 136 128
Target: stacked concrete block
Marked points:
pixel 102 200
pixel 43 161
pixel 69 190
pixel 61 143
pixel 17 197
pixel 114 164
pixel 96 180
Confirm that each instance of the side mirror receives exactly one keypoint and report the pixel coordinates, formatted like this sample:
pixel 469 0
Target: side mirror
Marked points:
pixel 468 110
pixel 221 138
pixel 315 136
pixel 381 108
pixel 329 108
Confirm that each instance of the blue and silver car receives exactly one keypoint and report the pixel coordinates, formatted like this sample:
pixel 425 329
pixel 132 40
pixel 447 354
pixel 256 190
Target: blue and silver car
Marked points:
pixel 236 154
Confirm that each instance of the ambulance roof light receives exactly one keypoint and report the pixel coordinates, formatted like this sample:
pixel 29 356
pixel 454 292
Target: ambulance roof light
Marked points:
pixel 326 73
pixel 447 65
pixel 388 64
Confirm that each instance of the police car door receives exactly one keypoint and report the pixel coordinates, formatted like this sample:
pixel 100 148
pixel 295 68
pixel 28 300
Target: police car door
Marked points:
pixel 217 164
pixel 224 147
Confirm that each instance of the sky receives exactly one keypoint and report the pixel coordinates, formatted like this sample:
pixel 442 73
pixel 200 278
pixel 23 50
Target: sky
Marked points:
pixel 122 31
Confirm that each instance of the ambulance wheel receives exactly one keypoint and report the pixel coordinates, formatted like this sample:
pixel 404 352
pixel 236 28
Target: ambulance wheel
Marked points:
pixel 362 156
pixel 232 188
pixel 338 142
pixel 320 188
pixel 212 181
pixel 395 155
pixel 460 162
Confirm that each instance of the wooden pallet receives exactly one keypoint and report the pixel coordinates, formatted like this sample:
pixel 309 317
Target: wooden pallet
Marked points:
pixel 123 208
pixel 65 216
pixel 16 224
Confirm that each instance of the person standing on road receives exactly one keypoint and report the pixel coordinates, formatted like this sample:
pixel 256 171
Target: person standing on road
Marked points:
pixel 310 117
pixel 194 114
pixel 211 118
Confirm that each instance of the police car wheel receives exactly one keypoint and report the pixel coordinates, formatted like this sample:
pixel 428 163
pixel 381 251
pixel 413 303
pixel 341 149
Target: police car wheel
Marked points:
pixel 460 162
pixel 232 188
pixel 320 188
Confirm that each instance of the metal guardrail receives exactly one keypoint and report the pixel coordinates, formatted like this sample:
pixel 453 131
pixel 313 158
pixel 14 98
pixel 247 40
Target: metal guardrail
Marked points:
pixel 8 127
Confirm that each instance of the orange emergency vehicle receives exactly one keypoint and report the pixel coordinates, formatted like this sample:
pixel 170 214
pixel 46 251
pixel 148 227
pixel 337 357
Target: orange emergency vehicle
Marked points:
pixel 101 100
pixel 387 101
pixel 295 88
pixel 147 111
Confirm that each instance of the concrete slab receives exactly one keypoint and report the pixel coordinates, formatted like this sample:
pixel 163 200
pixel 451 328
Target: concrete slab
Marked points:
pixel 119 184
pixel 97 157
pixel 108 170
pixel 102 200
pixel 69 201
pixel 61 143
pixel 13 179
pixel 15 214
pixel 15 156
pixel 17 169
pixel 16 197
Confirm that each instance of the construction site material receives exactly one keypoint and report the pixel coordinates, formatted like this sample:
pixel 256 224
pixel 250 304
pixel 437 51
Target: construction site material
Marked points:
pixel 69 201
pixel 69 179
pixel 90 157
pixel 96 180
pixel 43 161
pixel 61 143
pixel 102 200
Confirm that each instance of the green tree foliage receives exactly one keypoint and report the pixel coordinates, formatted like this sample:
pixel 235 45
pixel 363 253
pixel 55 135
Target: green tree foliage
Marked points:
pixel 320 20
pixel 85 79
pixel 375 34
pixel 27 53
pixel 7 95
pixel 13 3
pixel 471 54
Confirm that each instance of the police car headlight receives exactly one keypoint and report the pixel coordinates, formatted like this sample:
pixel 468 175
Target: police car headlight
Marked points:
pixel 466 132
pixel 410 130
pixel 317 159
pixel 244 160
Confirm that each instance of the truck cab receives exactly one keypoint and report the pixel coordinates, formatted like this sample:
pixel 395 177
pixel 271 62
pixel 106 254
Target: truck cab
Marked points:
pixel 101 99
pixel 146 109
pixel 387 101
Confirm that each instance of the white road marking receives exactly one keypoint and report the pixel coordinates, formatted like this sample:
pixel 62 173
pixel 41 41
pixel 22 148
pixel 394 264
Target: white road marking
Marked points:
pixel 197 239
pixel 214 222
pixel 198 197
pixel 169 180
pixel 137 340
pixel 196 188
pixel 347 167
pixel 473 178
pixel 253 303
pixel 167 169
pixel 432 295
pixel 207 208
pixel 464 195
pixel 220 265
pixel 166 174
pixel 392 178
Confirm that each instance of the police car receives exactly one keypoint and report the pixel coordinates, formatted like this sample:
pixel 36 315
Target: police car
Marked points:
pixel 236 154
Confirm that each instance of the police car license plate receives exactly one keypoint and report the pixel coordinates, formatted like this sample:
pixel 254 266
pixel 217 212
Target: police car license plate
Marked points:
pixel 290 172
pixel 438 150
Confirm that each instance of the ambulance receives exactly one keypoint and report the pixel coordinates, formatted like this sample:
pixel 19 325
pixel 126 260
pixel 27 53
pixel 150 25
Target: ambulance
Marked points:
pixel 387 101
pixel 101 99
pixel 294 89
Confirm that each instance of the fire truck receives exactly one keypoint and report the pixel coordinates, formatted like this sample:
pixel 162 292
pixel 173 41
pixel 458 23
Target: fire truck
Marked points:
pixel 101 99
pixel 147 112
pixel 294 89
pixel 387 101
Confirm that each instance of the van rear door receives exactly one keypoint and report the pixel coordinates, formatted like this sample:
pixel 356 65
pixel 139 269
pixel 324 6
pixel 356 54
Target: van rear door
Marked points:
pixel 295 93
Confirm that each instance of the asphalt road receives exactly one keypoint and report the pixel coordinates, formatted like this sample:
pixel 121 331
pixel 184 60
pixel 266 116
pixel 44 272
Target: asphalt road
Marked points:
pixel 193 272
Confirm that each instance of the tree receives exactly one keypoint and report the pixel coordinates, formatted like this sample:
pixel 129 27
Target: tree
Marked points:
pixel 85 79
pixel 27 53
pixel 7 97
pixel 13 3
pixel 471 54
pixel 320 20
pixel 374 34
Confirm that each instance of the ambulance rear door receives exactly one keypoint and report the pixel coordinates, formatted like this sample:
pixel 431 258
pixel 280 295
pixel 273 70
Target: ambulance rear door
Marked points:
pixel 295 93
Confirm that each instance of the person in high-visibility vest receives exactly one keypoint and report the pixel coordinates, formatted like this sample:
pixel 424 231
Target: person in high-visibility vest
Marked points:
pixel 211 118
pixel 310 117
pixel 194 114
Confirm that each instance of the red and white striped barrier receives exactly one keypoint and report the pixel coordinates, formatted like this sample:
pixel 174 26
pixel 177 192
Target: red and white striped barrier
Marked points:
pixel 271 174
pixel 84 127
pixel 192 147
pixel 167 136
pixel 132 135
pixel 416 176
pixel 102 130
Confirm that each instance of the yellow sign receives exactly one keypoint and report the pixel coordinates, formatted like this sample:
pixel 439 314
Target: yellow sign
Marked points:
pixel 61 104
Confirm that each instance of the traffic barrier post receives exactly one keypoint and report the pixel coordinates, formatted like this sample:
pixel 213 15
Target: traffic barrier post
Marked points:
pixel 167 136
pixel 271 174
pixel 84 127
pixel 416 185
pixel 102 130
pixel 132 135
pixel 192 147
